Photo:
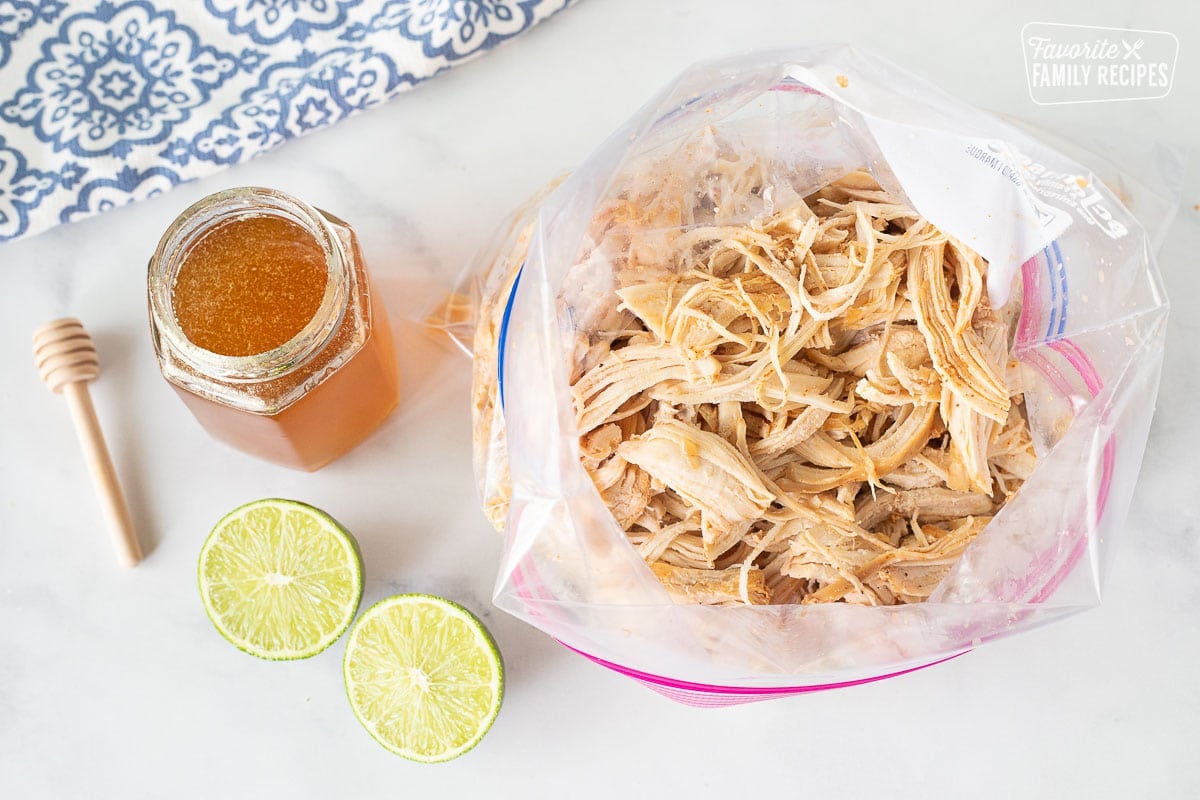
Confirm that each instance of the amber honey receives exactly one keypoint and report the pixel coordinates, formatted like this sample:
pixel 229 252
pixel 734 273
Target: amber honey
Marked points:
pixel 267 326
pixel 249 285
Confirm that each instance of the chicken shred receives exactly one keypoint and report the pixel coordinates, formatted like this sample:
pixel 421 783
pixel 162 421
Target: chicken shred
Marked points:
pixel 808 407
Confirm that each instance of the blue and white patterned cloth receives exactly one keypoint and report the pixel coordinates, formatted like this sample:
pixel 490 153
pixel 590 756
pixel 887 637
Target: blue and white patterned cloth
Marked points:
pixel 103 104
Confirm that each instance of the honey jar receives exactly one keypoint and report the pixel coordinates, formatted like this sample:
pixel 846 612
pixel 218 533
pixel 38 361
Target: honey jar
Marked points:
pixel 265 322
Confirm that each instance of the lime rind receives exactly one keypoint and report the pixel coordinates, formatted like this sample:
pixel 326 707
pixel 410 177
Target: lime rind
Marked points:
pixel 327 528
pixel 376 713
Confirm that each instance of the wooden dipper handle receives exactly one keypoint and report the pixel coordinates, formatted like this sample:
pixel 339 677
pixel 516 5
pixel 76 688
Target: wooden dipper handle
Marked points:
pixel 66 360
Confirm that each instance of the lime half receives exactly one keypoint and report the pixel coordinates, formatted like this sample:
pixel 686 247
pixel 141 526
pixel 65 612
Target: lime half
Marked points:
pixel 423 676
pixel 280 579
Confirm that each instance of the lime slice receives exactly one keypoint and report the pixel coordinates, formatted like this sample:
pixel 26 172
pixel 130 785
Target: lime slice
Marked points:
pixel 280 579
pixel 423 676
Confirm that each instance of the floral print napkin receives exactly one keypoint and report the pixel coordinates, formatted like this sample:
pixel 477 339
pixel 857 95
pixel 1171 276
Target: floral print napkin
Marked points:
pixel 103 104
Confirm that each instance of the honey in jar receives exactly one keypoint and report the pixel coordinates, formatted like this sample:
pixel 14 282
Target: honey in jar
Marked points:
pixel 265 322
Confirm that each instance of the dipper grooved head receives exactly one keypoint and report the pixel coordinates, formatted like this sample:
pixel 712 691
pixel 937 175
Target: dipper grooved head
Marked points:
pixel 64 353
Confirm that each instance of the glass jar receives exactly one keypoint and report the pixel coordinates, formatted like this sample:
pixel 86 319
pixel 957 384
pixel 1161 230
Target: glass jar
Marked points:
pixel 304 401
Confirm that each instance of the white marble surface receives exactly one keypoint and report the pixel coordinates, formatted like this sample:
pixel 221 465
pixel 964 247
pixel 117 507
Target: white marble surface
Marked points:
pixel 114 684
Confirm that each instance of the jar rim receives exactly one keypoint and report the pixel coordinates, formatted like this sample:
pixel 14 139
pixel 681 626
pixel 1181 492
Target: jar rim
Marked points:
pixel 200 218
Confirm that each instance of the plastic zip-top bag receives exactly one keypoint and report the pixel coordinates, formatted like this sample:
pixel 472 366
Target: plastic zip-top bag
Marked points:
pixel 823 149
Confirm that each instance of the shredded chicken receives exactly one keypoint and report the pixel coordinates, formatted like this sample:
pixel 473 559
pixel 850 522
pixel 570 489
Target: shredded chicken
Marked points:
pixel 713 586
pixel 807 407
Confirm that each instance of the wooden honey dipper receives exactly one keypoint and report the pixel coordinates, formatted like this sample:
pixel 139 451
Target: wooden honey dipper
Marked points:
pixel 66 360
